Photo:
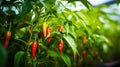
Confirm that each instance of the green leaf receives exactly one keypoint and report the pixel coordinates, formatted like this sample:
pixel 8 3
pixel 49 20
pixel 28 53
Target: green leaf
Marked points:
pixel 3 56
pixel 74 4
pixel 66 27
pixel 72 31
pixel 118 1
pixel 66 59
pixel 33 16
pixel 19 32
pixel 26 7
pixel 45 4
pixel 104 39
pixel 86 30
pixel 105 48
pixel 72 44
pixel 86 3
pixel 17 58
pixel 52 53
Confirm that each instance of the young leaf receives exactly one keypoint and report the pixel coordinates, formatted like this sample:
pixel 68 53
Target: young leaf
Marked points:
pixel 66 59
pixel 17 58
pixel 72 44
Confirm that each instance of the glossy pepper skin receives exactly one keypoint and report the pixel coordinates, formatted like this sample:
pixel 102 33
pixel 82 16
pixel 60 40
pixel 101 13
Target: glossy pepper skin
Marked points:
pixel 48 31
pixel 49 39
pixel 6 39
pixel 44 28
pixel 34 48
pixel 8 35
pixel 60 28
pixel 60 46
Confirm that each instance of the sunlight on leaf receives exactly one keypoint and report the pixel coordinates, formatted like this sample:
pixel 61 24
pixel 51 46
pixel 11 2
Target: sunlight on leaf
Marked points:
pixel 72 44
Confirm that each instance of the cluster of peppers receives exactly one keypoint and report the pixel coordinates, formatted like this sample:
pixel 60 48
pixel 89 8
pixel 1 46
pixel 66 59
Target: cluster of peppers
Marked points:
pixel 46 31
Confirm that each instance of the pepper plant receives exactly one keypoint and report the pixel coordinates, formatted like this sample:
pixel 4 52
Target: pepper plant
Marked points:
pixel 46 33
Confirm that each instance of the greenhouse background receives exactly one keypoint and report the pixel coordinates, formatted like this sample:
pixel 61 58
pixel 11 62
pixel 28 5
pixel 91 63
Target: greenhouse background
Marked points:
pixel 59 33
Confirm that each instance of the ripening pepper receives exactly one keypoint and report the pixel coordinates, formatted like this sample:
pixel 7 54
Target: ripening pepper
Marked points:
pixel 34 48
pixel 48 31
pixel 84 55
pixel 49 39
pixel 6 39
pixel 84 40
pixel 60 46
pixel 60 28
pixel 6 43
pixel 44 28
pixel 8 35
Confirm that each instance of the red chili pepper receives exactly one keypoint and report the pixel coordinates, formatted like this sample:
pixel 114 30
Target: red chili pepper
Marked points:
pixel 6 39
pixel 6 43
pixel 40 35
pixel 48 31
pixel 34 48
pixel 60 28
pixel 60 46
pixel 49 39
pixel 84 55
